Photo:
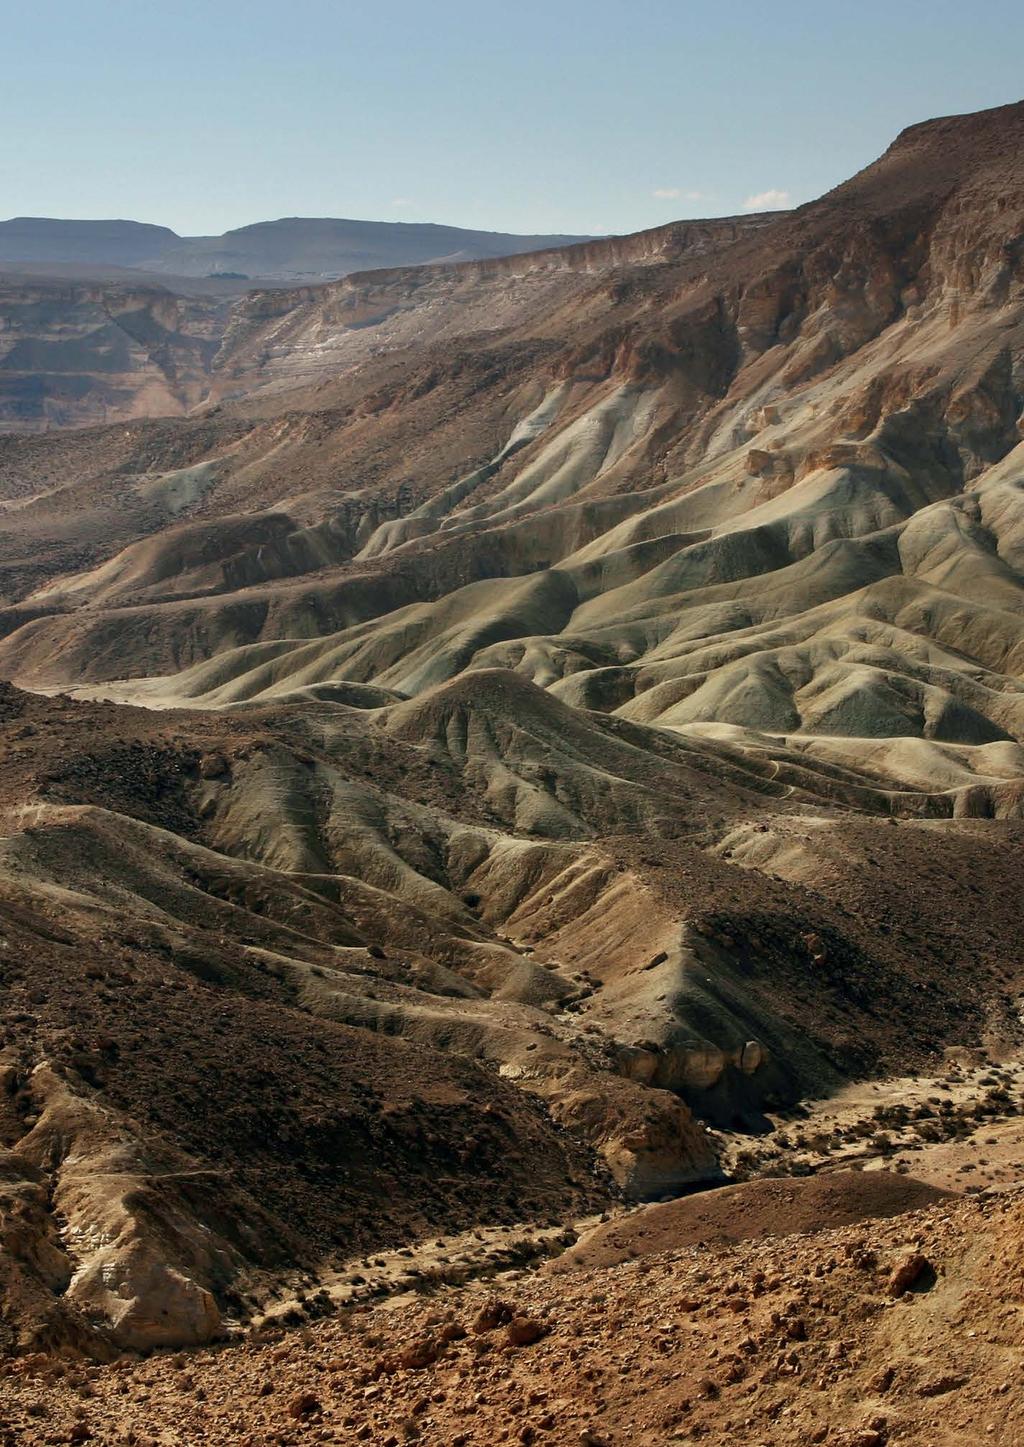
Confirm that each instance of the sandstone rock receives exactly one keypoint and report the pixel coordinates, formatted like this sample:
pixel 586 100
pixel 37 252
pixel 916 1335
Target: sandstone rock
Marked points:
pixel 883 1379
pixel 492 1314
pixel 940 1385
pixel 422 1352
pixel 303 1404
pixel 908 1273
pixel 751 1057
pixel 152 1304
pixel 524 1330
pixel 136 1256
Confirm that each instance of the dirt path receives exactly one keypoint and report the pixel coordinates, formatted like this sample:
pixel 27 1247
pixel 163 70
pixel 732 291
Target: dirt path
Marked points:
pixel 402 1275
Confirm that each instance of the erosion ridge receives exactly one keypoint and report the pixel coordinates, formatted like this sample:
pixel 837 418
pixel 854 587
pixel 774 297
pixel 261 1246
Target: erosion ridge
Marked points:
pixel 562 710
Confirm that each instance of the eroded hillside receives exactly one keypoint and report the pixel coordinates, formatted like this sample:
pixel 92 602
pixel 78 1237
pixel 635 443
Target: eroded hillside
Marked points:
pixel 753 480
pixel 582 705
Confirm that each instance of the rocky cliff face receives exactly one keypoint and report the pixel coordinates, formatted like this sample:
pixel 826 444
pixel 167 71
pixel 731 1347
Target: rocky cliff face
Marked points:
pixel 283 339
pixel 74 354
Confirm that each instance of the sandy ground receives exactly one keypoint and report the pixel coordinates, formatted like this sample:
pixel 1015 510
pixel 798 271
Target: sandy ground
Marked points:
pixel 960 1130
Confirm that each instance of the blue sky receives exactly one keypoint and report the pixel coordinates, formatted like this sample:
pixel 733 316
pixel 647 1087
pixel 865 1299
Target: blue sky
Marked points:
pixel 569 115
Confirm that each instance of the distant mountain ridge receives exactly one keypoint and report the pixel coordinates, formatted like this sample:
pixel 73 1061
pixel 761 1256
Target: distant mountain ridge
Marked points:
pixel 110 243
pixel 320 248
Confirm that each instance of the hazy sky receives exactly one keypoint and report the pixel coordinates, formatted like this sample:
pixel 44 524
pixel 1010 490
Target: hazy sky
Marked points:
pixel 527 115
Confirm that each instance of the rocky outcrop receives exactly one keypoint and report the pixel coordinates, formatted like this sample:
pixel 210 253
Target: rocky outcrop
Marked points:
pixel 653 1144
pixel 132 1261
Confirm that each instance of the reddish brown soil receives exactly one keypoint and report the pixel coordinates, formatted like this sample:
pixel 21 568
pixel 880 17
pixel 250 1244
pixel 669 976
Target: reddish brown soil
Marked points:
pixel 747 1212
pixel 771 1342
pixel 231 943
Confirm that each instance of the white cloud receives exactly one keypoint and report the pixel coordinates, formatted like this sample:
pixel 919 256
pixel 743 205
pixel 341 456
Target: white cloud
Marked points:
pixel 401 201
pixel 767 201
pixel 676 193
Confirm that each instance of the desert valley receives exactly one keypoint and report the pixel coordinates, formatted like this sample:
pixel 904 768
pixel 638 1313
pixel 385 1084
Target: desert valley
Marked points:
pixel 513 810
